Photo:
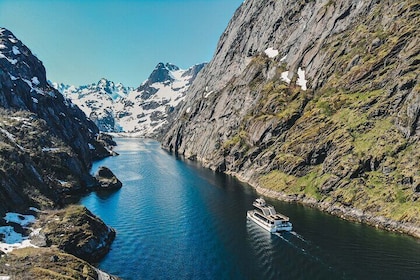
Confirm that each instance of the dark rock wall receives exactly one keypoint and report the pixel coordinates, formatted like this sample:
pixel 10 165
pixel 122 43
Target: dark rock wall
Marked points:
pixel 48 144
pixel 23 86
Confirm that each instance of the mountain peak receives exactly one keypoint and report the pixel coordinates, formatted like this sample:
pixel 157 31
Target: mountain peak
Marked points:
pixel 167 65
pixel 19 63
pixel 171 67
pixel 103 81
pixel 115 108
pixel 161 74
pixel 105 85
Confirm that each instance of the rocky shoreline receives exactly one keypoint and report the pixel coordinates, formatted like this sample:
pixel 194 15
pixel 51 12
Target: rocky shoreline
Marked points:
pixel 47 263
pixel 54 243
pixel 341 211
pixel 346 213
pixel 335 209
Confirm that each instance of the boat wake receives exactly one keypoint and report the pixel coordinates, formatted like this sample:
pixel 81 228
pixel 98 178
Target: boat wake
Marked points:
pixel 266 218
pixel 299 236
pixel 299 243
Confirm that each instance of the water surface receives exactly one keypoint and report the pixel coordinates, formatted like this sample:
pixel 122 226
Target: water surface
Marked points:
pixel 176 220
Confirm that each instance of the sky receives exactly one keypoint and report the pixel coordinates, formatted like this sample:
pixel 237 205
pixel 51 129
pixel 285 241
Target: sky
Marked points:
pixel 81 41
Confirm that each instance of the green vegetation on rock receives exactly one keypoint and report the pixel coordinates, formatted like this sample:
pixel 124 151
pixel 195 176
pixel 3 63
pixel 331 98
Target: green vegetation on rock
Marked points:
pixel 46 263
pixel 77 231
pixel 349 142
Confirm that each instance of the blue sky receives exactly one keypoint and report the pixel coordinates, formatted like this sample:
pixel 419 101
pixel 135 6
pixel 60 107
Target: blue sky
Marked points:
pixel 81 41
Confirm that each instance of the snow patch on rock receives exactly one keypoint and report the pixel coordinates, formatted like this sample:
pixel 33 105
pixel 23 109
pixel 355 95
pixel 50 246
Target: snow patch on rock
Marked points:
pixel 11 239
pixel 11 61
pixel 285 77
pixel 271 53
pixel 35 81
pixel 301 81
pixel 15 50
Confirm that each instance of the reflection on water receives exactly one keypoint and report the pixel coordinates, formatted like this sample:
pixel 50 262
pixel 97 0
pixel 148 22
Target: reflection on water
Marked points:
pixel 175 220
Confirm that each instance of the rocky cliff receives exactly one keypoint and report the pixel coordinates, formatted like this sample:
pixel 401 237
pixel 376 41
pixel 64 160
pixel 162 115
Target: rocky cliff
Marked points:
pixel 314 101
pixel 47 146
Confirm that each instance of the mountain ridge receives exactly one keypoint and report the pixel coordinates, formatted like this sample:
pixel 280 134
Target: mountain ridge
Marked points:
pixel 140 111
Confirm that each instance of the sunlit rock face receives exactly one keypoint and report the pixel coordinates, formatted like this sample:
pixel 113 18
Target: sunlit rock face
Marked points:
pixel 317 101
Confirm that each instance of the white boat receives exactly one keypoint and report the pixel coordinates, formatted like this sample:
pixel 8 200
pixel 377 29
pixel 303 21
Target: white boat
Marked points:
pixel 266 217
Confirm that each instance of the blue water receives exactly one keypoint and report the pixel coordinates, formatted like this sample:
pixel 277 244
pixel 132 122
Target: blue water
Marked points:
pixel 176 220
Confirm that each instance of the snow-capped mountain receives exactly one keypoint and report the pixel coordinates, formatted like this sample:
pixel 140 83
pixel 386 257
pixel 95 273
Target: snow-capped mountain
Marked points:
pixel 97 101
pixel 145 110
pixel 104 86
pixel 141 111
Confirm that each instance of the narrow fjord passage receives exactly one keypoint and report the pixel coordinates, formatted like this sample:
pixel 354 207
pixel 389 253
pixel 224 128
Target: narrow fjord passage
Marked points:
pixel 176 220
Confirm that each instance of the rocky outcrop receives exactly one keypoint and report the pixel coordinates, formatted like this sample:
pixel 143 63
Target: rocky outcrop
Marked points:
pixel 316 100
pixel 36 168
pixel 107 180
pixel 48 263
pixel 75 230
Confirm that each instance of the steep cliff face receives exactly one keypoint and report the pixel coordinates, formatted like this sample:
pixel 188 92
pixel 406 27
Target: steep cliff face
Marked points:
pixel 47 143
pixel 315 101
pixel 47 146
pixel 23 86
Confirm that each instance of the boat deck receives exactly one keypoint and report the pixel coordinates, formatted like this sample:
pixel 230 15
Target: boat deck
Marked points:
pixel 279 216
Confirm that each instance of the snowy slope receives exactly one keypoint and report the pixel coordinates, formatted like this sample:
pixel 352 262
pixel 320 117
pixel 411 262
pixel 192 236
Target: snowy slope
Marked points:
pixel 144 110
pixel 141 111
pixel 97 101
